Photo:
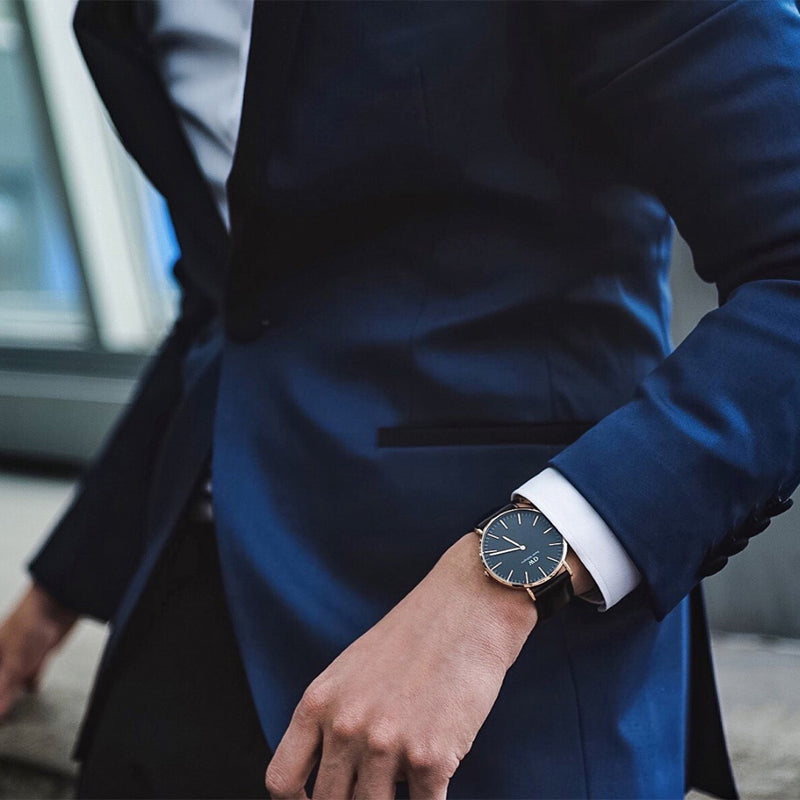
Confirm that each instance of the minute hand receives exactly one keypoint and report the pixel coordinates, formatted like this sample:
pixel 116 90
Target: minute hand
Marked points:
pixel 500 552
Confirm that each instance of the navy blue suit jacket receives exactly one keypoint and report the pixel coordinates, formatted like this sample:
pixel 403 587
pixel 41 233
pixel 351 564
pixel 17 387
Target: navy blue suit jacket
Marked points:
pixel 451 229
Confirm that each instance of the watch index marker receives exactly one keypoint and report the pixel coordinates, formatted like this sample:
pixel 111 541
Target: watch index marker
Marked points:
pixel 526 553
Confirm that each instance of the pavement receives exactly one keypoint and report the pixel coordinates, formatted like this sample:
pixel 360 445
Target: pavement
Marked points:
pixel 759 684
pixel 759 679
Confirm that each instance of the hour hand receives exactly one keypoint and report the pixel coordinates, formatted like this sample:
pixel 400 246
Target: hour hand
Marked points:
pixel 501 552
pixel 519 546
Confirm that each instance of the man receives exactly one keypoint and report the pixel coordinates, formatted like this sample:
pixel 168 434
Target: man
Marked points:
pixel 449 254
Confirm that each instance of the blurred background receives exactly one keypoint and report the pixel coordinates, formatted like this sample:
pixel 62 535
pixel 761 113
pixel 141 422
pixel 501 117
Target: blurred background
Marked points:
pixel 86 293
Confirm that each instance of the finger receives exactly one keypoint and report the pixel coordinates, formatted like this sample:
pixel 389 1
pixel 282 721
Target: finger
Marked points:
pixel 34 680
pixel 9 689
pixel 427 784
pixel 294 758
pixel 426 788
pixel 377 779
pixel 336 775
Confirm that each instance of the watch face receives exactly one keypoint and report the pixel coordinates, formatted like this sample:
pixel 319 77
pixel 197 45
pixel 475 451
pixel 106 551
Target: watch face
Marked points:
pixel 522 547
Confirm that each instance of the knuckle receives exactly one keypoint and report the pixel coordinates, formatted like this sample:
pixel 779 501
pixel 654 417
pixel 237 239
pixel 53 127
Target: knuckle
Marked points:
pixel 431 762
pixel 314 700
pixel 449 766
pixel 381 741
pixel 347 727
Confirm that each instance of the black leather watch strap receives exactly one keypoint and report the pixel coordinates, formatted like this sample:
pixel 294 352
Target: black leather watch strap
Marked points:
pixel 483 523
pixel 553 596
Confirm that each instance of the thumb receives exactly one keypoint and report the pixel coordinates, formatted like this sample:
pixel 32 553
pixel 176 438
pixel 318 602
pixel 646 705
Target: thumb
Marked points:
pixel 9 687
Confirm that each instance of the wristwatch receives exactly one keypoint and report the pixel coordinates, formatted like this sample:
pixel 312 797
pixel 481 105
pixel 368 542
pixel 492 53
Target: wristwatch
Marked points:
pixel 521 548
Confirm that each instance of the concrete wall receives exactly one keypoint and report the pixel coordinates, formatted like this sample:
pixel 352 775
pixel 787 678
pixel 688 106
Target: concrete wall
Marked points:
pixel 759 590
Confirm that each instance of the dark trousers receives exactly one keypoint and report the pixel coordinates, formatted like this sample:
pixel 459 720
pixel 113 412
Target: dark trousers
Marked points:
pixel 177 718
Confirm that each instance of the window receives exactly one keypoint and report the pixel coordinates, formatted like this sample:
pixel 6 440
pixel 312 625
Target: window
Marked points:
pixel 85 246
pixel 42 296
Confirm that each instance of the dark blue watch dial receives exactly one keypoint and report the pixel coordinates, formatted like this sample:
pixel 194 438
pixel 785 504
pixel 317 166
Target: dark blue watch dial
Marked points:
pixel 522 547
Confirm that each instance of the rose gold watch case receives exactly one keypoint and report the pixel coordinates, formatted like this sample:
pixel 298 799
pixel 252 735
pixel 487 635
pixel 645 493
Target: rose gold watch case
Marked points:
pixel 562 565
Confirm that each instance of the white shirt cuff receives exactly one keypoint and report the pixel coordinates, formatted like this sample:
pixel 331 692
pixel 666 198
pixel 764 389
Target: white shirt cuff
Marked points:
pixel 585 532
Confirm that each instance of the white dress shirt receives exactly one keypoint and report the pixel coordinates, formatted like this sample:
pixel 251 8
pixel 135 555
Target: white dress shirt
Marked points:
pixel 201 48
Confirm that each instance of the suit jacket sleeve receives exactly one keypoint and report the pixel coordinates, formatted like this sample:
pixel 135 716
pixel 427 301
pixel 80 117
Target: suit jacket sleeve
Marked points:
pixel 700 104
pixel 88 559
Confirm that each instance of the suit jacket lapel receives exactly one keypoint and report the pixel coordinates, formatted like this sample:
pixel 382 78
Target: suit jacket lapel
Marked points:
pixel 273 43
pixel 273 47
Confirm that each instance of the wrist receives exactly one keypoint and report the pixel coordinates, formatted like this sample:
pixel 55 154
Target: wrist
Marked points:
pixel 46 610
pixel 516 548
pixel 582 581
pixel 504 617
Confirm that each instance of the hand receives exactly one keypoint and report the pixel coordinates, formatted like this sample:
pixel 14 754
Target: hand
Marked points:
pixel 27 637
pixel 406 700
